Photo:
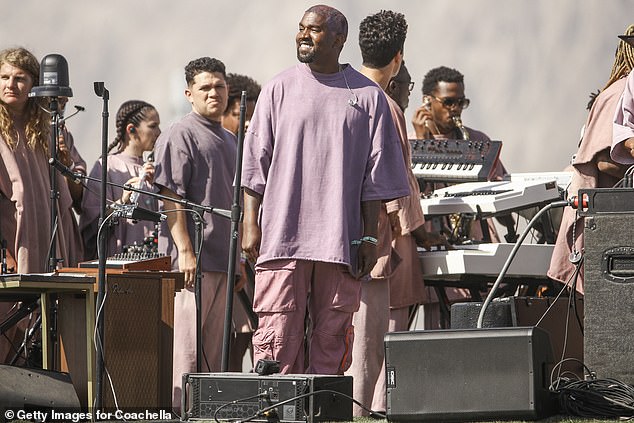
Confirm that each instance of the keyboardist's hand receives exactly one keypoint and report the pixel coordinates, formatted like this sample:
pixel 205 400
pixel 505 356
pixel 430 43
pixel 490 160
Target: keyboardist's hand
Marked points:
pixel 427 240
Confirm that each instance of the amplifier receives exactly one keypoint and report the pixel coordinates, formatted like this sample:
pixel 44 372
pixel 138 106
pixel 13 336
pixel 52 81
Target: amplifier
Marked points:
pixel 283 398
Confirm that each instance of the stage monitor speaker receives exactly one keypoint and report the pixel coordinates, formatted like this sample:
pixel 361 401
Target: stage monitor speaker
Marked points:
pixel 36 389
pixel 609 295
pixel 237 396
pixel 468 375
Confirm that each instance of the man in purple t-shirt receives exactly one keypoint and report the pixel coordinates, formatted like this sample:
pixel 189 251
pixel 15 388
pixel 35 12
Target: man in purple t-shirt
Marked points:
pixel 195 160
pixel 321 153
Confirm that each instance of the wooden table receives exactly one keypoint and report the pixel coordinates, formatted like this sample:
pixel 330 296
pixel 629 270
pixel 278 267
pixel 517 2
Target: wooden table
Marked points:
pixel 46 286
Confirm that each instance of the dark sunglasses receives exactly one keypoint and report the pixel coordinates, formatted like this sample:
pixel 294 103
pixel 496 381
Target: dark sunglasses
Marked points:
pixel 450 102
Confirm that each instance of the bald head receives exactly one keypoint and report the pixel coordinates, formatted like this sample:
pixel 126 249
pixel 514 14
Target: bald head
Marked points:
pixel 335 20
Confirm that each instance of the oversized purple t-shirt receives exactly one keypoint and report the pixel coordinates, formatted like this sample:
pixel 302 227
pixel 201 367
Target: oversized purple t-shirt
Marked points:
pixel 315 149
pixel 196 159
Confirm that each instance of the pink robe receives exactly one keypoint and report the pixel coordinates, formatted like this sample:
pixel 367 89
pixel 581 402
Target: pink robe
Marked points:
pixel 406 284
pixel 597 137
pixel 25 210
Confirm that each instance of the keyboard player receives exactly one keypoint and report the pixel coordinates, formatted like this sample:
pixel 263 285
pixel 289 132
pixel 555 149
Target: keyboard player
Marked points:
pixel 440 117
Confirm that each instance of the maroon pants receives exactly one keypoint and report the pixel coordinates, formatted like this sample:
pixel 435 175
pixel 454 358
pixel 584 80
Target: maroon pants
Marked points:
pixel 291 293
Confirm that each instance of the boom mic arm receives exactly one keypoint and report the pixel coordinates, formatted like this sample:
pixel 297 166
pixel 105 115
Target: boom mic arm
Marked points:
pixel 64 170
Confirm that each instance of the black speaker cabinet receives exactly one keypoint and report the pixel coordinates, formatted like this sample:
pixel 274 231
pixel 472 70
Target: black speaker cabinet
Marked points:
pixel 609 295
pixel 468 374
pixel 36 389
pixel 289 398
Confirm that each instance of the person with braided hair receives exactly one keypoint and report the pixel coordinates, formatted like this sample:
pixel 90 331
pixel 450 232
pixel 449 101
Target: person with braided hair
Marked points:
pixel 137 128
pixel 592 168
pixel 25 183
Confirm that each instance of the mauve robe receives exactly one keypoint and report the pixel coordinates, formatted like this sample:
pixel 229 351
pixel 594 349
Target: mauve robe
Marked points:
pixel 25 210
pixel 597 136
pixel 406 283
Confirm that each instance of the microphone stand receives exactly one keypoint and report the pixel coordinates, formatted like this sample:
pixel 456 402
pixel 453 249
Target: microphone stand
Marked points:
pixel 233 243
pixel 101 91
pixel 54 195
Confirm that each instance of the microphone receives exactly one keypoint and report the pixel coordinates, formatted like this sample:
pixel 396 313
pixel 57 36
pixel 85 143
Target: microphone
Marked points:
pixel 134 212
pixel 64 170
pixel 148 156
pixel 53 78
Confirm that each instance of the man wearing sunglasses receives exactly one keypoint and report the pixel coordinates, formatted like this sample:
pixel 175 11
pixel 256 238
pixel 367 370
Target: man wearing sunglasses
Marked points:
pixel 443 99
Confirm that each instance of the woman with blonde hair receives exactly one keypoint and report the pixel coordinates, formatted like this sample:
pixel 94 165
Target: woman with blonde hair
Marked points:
pixel 25 182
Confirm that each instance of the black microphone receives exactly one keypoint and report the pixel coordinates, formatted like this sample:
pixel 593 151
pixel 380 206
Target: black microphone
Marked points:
pixel 64 170
pixel 53 78
pixel 133 212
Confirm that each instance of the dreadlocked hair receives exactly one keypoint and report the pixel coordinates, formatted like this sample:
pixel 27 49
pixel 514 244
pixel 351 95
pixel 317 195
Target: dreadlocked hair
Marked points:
pixel 38 128
pixel 623 64
pixel 132 111
pixel 623 59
